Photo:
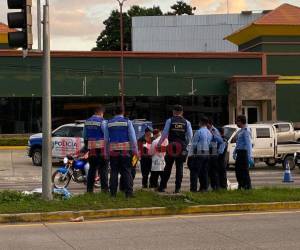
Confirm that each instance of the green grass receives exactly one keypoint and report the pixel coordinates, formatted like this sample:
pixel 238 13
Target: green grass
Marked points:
pixel 15 202
pixel 14 141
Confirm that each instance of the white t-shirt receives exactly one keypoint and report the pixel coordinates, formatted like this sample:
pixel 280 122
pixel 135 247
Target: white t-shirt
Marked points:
pixel 158 158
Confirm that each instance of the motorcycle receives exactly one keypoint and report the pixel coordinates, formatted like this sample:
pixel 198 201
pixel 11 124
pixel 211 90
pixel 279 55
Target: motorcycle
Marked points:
pixel 75 169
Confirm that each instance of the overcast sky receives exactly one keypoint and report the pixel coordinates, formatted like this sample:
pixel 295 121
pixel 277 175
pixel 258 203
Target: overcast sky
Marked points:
pixel 75 24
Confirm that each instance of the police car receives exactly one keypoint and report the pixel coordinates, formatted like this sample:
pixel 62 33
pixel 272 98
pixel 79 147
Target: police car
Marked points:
pixel 68 139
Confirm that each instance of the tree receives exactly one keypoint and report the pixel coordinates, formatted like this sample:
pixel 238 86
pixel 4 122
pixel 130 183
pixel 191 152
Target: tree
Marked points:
pixel 109 39
pixel 182 8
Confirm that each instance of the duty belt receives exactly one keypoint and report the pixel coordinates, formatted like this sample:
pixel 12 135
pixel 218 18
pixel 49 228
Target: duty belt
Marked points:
pixel 96 144
pixel 119 146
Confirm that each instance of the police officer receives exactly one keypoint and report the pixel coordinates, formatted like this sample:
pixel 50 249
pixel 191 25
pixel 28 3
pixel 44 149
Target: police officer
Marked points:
pixel 122 146
pixel 243 154
pixel 144 144
pixel 216 144
pixel 222 152
pixel 95 135
pixel 199 152
pixel 179 133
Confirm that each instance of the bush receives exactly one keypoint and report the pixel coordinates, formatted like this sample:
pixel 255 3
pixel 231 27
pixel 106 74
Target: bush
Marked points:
pixel 13 141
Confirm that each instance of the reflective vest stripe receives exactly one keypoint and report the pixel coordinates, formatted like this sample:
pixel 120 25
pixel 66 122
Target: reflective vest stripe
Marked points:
pixel 119 146
pixel 96 144
pixel 117 124
pixel 93 123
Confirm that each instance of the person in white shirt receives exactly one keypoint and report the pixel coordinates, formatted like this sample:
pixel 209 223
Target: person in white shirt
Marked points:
pixel 158 159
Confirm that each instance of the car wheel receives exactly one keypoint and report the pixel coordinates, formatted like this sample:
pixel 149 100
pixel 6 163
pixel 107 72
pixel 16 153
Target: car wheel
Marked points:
pixel 37 157
pixel 289 160
pixel 271 162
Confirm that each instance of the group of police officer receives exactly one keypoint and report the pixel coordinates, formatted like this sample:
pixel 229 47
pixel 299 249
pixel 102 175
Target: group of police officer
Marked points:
pixel 114 141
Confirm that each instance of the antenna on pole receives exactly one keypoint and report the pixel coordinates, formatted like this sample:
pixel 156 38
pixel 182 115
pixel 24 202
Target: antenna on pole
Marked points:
pixel 227 7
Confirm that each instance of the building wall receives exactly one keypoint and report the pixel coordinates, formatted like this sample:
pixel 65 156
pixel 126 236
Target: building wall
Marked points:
pixel 288 102
pixel 144 76
pixel 187 33
pixel 288 87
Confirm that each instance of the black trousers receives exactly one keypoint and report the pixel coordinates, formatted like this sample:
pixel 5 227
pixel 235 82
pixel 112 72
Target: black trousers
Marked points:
pixel 97 162
pixel 122 184
pixel 179 160
pixel 199 170
pixel 146 164
pixel 242 170
pixel 213 172
pixel 222 173
pixel 154 178
pixel 121 164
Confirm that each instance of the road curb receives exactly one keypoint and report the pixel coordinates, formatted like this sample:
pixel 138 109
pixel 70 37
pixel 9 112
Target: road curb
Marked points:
pixel 152 211
pixel 13 148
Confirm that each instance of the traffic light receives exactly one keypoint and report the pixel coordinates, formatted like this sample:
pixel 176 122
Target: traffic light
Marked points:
pixel 22 21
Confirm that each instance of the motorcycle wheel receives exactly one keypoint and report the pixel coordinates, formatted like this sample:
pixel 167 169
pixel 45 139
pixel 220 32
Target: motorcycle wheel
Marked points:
pixel 60 180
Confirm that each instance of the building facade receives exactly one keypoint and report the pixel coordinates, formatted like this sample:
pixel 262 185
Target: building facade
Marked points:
pixel 196 33
pixel 261 81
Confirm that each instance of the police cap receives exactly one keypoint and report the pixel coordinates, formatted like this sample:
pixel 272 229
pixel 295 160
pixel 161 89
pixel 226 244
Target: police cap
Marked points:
pixel 178 108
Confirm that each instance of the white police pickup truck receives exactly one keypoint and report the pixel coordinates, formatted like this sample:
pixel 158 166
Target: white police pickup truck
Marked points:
pixel 68 139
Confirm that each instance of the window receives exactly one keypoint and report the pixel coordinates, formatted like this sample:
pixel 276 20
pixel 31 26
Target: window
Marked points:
pixel 63 132
pixel 283 127
pixel 77 132
pixel 228 132
pixel 263 133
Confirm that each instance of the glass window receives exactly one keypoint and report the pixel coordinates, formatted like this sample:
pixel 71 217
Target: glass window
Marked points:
pixel 284 127
pixel 228 132
pixel 63 132
pixel 77 132
pixel 263 133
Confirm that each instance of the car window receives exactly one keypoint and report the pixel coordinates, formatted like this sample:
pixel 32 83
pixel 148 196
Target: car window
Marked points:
pixel 284 127
pixel 77 132
pixel 228 132
pixel 234 139
pixel 62 132
pixel 263 133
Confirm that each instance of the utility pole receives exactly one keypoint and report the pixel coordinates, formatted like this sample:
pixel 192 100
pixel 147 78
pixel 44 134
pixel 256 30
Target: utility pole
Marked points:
pixel 47 128
pixel 39 25
pixel 121 3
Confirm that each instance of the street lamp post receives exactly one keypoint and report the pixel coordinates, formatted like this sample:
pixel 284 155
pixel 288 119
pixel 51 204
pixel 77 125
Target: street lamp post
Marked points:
pixel 121 3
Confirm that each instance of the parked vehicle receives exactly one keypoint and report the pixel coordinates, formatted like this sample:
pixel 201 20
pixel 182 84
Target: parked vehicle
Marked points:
pixel 266 147
pixel 297 159
pixel 68 139
pixel 74 169
pixel 285 131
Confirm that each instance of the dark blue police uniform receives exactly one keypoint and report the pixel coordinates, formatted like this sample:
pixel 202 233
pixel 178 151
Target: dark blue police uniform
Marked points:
pixel 95 134
pixel 122 145
pixel 179 133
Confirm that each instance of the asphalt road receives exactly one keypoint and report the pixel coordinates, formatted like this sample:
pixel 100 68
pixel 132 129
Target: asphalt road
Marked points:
pixel 219 231
pixel 17 172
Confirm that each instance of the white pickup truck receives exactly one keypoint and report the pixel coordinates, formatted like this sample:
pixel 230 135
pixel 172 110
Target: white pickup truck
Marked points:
pixel 266 146
pixel 285 131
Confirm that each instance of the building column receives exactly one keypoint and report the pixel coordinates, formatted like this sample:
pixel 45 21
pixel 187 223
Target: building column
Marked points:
pixel 264 109
pixel 274 109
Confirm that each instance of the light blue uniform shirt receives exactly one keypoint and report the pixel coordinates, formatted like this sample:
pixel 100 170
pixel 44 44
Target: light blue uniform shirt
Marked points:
pixel 201 142
pixel 217 138
pixel 165 133
pixel 243 142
